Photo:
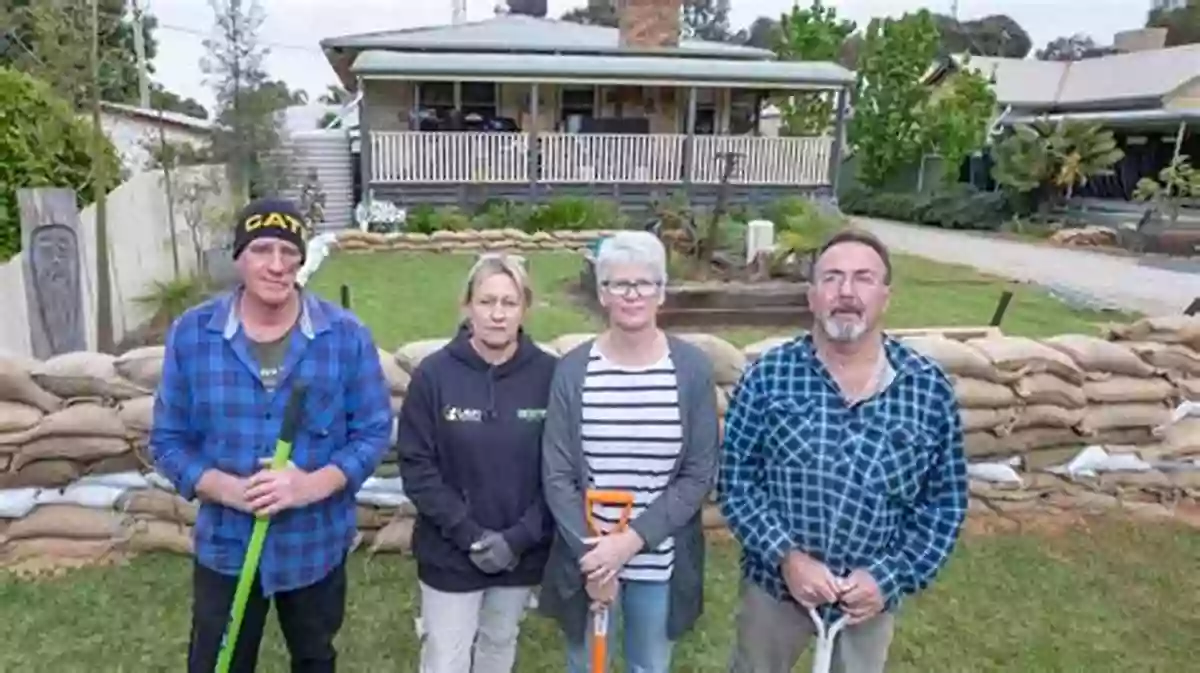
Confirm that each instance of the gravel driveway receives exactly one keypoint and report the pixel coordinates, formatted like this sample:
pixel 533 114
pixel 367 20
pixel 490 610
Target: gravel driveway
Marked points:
pixel 1106 280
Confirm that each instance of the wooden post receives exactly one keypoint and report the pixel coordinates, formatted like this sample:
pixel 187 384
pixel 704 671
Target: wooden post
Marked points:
pixel 364 145
pixel 1001 308
pixel 689 144
pixel 104 321
pixel 534 142
pixel 53 271
pixel 839 132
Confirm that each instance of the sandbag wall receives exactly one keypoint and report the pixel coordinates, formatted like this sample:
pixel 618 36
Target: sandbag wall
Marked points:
pixel 468 240
pixel 76 479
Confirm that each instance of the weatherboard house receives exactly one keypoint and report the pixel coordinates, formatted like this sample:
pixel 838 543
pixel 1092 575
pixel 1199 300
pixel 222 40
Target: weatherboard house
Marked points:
pixel 520 107
pixel 1147 94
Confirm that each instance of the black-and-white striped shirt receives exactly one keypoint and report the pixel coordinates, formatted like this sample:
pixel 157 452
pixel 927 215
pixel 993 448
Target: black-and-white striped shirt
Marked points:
pixel 632 436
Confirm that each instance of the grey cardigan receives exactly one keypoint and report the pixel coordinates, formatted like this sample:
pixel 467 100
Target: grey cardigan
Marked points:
pixel 676 512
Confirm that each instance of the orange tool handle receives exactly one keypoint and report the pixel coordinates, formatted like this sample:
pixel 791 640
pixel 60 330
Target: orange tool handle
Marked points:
pixel 624 500
pixel 621 499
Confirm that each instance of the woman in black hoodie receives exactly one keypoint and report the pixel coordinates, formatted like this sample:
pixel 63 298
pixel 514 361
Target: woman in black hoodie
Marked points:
pixel 470 457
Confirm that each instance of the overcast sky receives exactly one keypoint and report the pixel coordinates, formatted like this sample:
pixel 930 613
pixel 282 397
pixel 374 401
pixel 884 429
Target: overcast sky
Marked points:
pixel 293 28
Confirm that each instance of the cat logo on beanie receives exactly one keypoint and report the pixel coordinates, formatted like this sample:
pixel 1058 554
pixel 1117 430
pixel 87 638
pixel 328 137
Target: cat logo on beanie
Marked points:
pixel 270 218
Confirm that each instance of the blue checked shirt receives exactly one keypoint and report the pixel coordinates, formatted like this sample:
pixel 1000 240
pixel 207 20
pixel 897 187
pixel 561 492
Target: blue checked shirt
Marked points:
pixel 880 484
pixel 211 411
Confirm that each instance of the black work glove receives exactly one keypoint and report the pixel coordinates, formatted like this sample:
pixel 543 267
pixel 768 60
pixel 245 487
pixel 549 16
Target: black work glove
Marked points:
pixel 492 554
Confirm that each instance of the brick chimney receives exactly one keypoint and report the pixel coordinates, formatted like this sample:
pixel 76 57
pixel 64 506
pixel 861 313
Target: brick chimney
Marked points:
pixel 649 23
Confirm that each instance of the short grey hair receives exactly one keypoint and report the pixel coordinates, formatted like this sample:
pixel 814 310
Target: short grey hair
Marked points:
pixel 640 248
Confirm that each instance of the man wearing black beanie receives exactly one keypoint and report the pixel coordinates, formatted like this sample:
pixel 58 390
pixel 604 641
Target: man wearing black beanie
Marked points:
pixel 229 369
pixel 270 218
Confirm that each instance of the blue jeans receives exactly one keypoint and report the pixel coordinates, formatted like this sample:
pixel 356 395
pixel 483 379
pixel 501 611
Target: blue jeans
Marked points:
pixel 641 610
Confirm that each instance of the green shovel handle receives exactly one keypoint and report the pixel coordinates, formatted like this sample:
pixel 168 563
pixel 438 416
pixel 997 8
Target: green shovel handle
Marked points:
pixel 283 454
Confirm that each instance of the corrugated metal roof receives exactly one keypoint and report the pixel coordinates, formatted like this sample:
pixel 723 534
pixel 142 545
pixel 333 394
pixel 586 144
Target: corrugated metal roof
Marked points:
pixel 1117 79
pixel 515 32
pixel 633 70
pixel 1137 118
pixel 1022 82
pixel 168 117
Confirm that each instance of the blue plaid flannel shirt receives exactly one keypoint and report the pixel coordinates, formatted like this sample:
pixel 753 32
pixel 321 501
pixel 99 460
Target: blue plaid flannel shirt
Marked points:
pixel 879 485
pixel 211 411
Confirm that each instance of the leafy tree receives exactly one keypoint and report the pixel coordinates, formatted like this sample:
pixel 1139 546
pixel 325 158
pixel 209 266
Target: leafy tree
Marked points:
pixel 1183 24
pixel 707 20
pixel 1076 47
pixel 887 126
pixel 993 35
pixel 45 143
pixel 528 7
pixel 762 33
pixel 47 37
pixel 335 95
pixel 169 101
pixel 956 120
pixel 596 13
pixel 249 130
pixel 1047 161
pixel 812 34
pixel 1177 182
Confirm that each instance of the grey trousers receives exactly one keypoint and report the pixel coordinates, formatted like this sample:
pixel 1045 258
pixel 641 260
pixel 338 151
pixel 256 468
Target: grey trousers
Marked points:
pixel 772 634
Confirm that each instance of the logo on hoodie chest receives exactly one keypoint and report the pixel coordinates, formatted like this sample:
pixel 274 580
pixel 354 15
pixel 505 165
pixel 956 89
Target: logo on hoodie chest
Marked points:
pixel 461 415
pixel 531 414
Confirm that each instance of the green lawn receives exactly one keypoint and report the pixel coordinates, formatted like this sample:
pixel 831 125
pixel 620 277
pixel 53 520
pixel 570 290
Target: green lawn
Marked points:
pixel 407 296
pixel 1114 597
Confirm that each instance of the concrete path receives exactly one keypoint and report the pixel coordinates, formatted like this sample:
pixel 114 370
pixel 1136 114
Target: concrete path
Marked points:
pixel 1107 280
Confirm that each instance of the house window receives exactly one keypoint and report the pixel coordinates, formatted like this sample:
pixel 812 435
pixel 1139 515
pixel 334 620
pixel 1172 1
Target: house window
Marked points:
pixel 436 97
pixel 706 111
pixel 577 102
pixel 480 98
pixel 743 112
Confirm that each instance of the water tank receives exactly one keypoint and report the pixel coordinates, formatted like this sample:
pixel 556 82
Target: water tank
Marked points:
pixel 328 152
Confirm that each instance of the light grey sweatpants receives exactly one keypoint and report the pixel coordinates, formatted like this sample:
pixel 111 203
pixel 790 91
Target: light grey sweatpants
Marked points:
pixel 470 632
pixel 772 634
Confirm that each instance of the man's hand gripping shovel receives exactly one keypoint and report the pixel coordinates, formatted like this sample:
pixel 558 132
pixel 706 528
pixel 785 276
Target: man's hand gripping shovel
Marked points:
pixel 826 637
pixel 258 536
pixel 624 500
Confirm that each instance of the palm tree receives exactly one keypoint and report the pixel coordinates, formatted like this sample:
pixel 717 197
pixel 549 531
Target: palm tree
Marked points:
pixel 334 95
pixel 1050 160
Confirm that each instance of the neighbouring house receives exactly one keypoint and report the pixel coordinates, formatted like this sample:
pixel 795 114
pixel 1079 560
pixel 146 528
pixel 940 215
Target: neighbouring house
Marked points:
pixel 1147 95
pixel 133 130
pixel 520 107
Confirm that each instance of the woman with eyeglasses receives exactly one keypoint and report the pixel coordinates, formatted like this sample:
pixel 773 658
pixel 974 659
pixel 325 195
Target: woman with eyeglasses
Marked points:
pixel 470 458
pixel 634 411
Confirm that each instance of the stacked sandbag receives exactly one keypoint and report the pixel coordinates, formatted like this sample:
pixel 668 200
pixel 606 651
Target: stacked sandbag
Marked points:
pixel 1122 391
pixel 385 516
pixel 1055 413
pixel 78 523
pixel 81 438
pixel 397 379
pixel 157 518
pixel 1170 344
pixel 85 375
pixel 1149 492
pixel 410 354
pixel 471 241
pixel 988 405
pixel 142 366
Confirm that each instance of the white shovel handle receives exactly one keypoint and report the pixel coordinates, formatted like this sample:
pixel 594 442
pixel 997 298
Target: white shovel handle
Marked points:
pixel 825 638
